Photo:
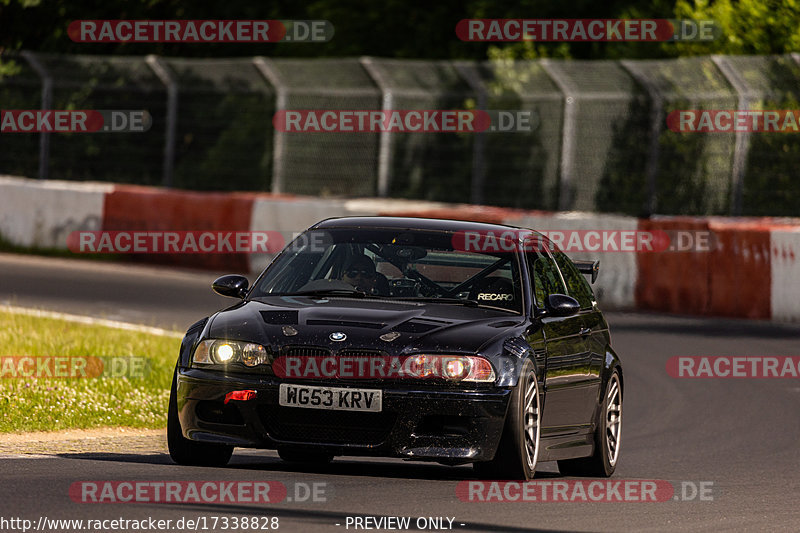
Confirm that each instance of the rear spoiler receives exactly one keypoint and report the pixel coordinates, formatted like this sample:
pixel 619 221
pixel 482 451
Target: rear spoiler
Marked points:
pixel 588 267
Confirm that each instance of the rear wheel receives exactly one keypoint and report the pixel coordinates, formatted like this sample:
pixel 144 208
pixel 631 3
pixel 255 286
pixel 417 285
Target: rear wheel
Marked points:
pixel 607 437
pixel 188 452
pixel 518 450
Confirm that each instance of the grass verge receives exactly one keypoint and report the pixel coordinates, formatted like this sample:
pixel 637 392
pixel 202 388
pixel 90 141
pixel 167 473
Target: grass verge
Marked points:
pixel 39 403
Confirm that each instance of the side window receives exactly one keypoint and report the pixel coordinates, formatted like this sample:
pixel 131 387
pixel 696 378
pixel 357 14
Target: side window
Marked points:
pixel 545 276
pixel 577 284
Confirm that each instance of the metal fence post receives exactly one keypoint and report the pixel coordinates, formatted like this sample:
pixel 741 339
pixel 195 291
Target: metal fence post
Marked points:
pixel 385 140
pixel 742 146
pixel 47 103
pixel 479 145
pixel 271 75
pixel 566 193
pixel 166 77
pixel 656 117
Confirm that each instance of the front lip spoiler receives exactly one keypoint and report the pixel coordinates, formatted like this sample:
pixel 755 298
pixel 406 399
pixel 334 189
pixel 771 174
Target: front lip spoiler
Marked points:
pixel 436 453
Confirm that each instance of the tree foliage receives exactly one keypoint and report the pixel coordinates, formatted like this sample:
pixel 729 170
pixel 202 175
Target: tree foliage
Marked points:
pixel 748 26
pixel 406 28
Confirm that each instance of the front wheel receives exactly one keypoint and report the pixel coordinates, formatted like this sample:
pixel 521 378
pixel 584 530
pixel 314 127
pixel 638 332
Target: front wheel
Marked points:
pixel 188 452
pixel 518 450
pixel 607 437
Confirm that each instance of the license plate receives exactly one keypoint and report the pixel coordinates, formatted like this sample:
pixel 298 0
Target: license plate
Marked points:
pixel 340 399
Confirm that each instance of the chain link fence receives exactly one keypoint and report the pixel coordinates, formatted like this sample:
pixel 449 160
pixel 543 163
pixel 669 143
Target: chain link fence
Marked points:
pixel 317 163
pixel 221 141
pixel 102 82
pixel 519 169
pixel 600 141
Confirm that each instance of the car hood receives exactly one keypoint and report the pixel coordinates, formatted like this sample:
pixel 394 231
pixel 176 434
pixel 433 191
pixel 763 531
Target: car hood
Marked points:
pixel 392 326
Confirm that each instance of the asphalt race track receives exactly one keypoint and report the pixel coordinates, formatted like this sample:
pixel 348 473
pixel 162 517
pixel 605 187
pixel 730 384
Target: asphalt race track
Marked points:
pixel 741 435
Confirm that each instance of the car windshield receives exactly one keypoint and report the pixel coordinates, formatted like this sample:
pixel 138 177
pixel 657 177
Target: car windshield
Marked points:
pixel 394 264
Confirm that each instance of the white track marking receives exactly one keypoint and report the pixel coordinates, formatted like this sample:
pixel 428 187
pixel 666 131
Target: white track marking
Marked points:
pixel 92 321
pixel 27 456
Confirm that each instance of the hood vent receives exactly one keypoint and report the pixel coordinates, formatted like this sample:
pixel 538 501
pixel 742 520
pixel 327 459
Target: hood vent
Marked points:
pixel 416 325
pixel 345 323
pixel 504 324
pixel 281 318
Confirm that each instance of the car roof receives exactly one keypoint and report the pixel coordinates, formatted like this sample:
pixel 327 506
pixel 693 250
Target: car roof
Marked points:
pixel 412 223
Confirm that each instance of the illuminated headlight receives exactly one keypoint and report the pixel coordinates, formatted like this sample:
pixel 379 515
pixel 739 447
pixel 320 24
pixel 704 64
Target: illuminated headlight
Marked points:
pixel 221 352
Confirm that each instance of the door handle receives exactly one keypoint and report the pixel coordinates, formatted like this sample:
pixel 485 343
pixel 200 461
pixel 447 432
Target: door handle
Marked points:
pixel 585 332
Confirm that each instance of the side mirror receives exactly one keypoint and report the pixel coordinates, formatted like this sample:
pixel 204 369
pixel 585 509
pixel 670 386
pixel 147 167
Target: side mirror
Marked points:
pixel 560 305
pixel 232 285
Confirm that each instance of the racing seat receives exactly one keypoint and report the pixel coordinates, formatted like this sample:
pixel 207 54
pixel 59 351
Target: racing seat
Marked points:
pixel 381 284
pixel 495 291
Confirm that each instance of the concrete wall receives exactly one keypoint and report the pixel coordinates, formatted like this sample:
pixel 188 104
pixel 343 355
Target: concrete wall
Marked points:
pixel 785 278
pixel 41 214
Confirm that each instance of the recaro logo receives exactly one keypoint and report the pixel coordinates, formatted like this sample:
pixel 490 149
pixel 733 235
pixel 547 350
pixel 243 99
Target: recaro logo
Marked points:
pixel 493 296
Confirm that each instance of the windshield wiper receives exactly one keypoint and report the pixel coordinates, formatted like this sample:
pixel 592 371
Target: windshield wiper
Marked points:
pixel 324 292
pixel 470 303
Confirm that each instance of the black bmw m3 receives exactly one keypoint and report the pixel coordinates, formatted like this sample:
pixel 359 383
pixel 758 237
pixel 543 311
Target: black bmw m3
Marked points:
pixel 433 340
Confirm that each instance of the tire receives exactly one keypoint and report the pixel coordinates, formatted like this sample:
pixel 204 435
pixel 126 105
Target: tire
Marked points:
pixel 187 452
pixel 308 457
pixel 607 437
pixel 518 450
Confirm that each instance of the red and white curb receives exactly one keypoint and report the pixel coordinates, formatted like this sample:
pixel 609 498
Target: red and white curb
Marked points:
pixel 753 273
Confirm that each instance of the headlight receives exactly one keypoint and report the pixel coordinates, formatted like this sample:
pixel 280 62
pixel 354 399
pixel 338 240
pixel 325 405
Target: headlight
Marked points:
pixel 222 352
pixel 254 354
pixel 451 367
pixel 456 368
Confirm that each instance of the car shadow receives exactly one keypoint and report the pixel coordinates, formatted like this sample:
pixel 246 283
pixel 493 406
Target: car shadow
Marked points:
pixel 150 458
pixel 352 467
pixel 342 466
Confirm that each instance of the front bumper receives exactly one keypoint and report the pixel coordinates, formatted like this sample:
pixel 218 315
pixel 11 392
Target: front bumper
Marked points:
pixel 422 423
